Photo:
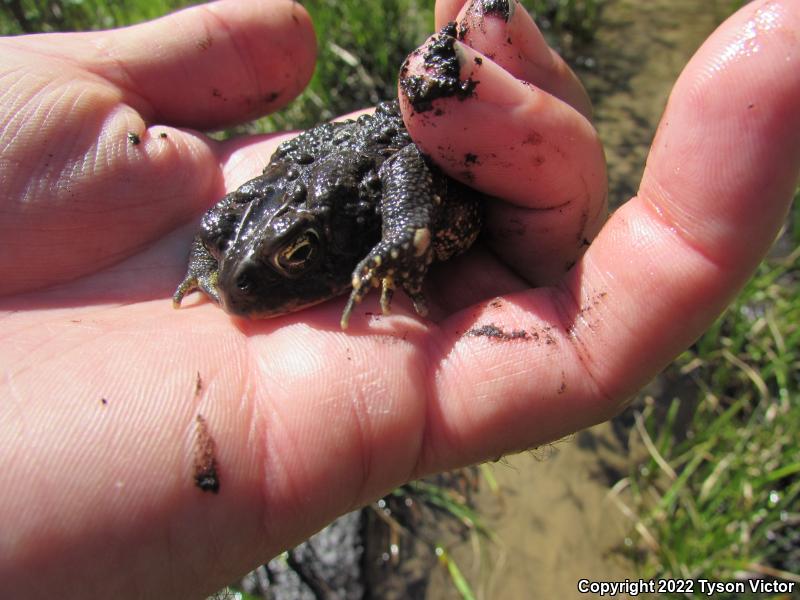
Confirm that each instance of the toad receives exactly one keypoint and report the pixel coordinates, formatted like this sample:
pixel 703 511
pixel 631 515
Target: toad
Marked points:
pixel 343 206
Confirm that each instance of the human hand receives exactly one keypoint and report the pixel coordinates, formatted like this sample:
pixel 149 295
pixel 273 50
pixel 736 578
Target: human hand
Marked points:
pixel 307 421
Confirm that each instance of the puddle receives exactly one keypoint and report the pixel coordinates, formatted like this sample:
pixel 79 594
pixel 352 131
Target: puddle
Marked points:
pixel 554 523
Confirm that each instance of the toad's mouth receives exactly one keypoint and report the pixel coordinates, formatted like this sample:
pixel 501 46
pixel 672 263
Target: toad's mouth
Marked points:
pixel 261 308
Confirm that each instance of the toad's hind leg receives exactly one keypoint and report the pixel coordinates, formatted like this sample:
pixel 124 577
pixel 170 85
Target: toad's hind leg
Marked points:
pixel 408 208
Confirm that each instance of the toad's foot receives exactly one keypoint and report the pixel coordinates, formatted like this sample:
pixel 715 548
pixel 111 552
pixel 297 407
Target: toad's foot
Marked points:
pixel 201 275
pixel 205 283
pixel 402 263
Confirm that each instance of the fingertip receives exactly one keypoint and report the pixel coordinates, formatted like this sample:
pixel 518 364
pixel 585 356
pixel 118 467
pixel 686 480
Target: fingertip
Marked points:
pixel 160 177
pixel 211 65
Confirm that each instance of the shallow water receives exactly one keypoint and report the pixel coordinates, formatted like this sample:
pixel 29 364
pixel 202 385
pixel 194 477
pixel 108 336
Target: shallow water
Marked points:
pixel 553 518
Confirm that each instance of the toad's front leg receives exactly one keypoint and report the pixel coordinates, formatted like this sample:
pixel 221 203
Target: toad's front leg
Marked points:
pixel 409 208
pixel 201 274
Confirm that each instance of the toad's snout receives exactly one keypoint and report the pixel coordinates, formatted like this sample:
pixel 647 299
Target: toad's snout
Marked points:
pixel 238 287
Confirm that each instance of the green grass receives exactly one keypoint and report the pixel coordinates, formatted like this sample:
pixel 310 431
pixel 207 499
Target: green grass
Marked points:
pixel 42 16
pixel 361 48
pixel 719 496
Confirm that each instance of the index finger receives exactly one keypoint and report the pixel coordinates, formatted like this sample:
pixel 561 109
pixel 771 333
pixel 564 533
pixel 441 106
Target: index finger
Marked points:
pixel 206 67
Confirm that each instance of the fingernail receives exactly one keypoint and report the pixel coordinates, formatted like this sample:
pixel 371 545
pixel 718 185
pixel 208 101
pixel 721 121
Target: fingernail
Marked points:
pixel 475 15
pixel 497 8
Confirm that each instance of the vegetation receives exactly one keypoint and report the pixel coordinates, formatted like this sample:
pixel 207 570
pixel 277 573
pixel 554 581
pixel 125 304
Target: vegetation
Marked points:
pixel 41 16
pixel 718 496
pixel 361 48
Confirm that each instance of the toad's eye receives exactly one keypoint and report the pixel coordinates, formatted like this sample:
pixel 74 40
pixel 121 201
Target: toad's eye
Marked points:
pixel 299 254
